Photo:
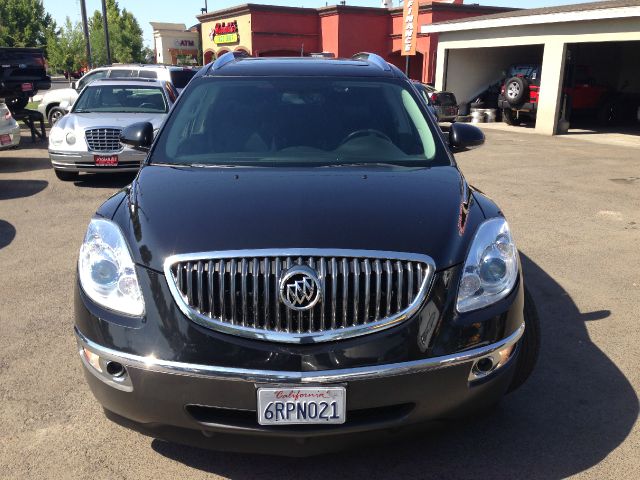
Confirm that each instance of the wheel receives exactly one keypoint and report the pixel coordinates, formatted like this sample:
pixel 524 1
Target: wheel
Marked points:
pixel 516 91
pixel 529 344
pixel 508 117
pixel 55 114
pixel 66 176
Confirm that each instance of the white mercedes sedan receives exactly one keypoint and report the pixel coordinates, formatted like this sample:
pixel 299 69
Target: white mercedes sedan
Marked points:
pixel 87 139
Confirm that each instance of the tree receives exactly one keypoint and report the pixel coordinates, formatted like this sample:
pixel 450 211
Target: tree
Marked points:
pixel 67 48
pixel 25 23
pixel 125 36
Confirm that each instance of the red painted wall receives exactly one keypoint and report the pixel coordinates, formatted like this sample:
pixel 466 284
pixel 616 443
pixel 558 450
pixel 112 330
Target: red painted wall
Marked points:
pixel 329 26
pixel 285 32
pixel 363 32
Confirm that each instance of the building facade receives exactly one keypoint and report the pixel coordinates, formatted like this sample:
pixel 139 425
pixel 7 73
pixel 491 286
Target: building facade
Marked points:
pixel 341 30
pixel 174 44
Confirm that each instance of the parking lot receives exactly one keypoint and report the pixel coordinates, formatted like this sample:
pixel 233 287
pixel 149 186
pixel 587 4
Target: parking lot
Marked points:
pixel 574 207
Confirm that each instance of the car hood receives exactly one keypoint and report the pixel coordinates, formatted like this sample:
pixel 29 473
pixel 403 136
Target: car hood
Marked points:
pixel 117 120
pixel 187 210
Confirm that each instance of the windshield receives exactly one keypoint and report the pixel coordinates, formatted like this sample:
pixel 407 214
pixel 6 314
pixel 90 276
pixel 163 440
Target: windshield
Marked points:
pixel 293 120
pixel 121 99
pixel 529 71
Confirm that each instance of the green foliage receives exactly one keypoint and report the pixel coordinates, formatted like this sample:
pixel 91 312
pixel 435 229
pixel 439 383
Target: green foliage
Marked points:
pixel 25 23
pixel 67 49
pixel 125 36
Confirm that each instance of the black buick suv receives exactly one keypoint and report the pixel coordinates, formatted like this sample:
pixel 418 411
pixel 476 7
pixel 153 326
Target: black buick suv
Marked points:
pixel 298 265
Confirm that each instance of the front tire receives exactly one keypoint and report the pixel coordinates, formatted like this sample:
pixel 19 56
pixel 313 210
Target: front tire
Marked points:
pixel 66 176
pixel 529 344
pixel 55 114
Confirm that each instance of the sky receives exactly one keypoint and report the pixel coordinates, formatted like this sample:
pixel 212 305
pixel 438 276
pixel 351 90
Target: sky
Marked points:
pixel 185 11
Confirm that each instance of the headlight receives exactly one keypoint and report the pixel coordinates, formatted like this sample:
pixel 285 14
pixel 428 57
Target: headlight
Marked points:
pixel 71 138
pixel 107 272
pixel 491 268
pixel 56 136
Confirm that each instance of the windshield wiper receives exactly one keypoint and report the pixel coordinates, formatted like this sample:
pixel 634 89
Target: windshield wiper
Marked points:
pixel 214 165
pixel 363 164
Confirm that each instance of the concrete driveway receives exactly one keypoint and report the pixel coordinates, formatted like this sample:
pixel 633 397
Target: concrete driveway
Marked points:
pixel 574 208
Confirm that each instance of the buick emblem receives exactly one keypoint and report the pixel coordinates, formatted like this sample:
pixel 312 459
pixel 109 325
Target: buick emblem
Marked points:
pixel 300 288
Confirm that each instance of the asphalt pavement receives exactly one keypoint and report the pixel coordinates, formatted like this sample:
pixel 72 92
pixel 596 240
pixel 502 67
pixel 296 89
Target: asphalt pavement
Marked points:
pixel 574 209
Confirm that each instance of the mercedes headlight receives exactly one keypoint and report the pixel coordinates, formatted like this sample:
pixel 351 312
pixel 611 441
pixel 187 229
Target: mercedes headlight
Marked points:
pixel 106 270
pixel 56 137
pixel 491 268
pixel 71 138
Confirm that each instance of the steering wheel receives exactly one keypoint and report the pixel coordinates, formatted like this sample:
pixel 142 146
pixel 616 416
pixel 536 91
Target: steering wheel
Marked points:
pixel 147 105
pixel 365 132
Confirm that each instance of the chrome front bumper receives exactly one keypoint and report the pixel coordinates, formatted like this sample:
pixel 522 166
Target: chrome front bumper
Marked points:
pixel 128 161
pixel 152 364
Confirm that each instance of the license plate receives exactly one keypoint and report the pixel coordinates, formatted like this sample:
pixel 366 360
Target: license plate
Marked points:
pixel 106 160
pixel 5 139
pixel 27 87
pixel 307 405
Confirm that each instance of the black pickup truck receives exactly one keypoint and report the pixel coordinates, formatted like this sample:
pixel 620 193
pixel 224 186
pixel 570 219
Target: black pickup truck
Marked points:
pixel 22 74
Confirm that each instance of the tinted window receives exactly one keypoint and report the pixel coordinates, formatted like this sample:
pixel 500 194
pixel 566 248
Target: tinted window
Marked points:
pixel 445 99
pixel 117 98
pixel 148 74
pixel 90 77
pixel 123 73
pixel 180 78
pixel 296 120
pixel 529 71
pixel 30 59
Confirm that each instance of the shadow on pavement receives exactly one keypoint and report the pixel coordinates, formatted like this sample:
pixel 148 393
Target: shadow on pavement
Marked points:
pixel 7 233
pixel 105 180
pixel 20 188
pixel 575 409
pixel 15 164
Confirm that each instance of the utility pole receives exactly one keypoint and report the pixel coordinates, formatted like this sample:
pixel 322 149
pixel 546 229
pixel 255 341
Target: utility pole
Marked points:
pixel 106 31
pixel 85 29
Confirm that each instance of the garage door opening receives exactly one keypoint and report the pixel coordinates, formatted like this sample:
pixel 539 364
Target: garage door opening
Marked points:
pixel 601 91
pixel 477 75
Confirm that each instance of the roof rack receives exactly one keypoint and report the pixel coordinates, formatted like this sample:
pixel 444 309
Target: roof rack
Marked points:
pixel 222 60
pixel 127 79
pixel 373 58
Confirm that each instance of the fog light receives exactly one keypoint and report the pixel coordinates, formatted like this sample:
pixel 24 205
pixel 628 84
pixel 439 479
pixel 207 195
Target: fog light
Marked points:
pixel 92 358
pixel 486 365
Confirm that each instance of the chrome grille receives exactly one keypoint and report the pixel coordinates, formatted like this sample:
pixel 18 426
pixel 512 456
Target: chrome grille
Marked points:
pixel 239 292
pixel 103 139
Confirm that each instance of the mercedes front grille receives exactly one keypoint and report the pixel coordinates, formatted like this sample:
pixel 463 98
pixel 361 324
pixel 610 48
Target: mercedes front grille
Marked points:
pixel 103 139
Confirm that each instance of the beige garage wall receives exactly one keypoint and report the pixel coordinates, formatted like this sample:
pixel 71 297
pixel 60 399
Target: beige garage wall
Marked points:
pixel 470 71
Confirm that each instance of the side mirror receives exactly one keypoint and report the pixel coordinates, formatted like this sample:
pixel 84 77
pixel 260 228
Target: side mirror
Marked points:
pixel 138 136
pixel 463 136
pixel 74 85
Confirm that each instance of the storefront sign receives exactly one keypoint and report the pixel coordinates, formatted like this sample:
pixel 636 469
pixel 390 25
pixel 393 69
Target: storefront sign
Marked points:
pixel 184 43
pixel 410 27
pixel 224 33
